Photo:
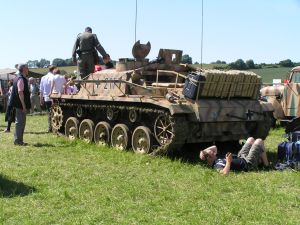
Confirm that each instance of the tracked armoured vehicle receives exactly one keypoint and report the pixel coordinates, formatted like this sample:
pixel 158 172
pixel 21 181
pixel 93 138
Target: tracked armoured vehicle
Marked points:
pixel 285 100
pixel 160 105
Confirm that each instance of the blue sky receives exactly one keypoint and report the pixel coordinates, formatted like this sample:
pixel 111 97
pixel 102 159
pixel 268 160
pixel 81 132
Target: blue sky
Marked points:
pixel 262 30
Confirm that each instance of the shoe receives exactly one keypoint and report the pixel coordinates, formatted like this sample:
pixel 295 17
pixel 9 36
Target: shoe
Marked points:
pixel 6 131
pixel 21 144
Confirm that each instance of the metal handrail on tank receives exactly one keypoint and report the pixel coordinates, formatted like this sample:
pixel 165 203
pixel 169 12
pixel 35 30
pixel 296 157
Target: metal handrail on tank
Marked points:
pixel 114 82
pixel 172 72
pixel 169 71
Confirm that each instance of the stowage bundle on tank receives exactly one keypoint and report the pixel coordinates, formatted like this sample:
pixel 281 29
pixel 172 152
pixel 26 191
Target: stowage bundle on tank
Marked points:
pixel 159 105
pixel 232 83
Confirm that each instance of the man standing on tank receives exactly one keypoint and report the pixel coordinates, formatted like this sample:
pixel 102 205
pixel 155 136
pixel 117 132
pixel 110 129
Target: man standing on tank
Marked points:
pixel 20 100
pixel 86 46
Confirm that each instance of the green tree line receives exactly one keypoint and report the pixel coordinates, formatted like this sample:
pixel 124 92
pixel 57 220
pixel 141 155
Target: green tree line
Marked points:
pixel 239 64
pixel 44 63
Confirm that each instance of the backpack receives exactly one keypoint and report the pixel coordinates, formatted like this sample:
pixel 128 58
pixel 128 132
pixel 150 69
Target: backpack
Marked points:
pixel 296 151
pixel 288 152
pixel 285 150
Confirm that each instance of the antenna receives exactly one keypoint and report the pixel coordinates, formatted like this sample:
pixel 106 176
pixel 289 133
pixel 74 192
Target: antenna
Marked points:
pixel 135 22
pixel 202 38
pixel 136 6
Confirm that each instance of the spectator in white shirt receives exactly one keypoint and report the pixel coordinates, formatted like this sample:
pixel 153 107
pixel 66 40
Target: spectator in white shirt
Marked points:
pixel 45 91
pixel 58 82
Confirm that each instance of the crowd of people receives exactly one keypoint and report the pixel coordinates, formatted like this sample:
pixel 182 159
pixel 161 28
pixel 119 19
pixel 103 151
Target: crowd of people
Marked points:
pixel 26 95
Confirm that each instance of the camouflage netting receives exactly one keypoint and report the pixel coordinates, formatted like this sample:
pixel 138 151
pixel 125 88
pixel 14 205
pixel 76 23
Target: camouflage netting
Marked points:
pixel 228 84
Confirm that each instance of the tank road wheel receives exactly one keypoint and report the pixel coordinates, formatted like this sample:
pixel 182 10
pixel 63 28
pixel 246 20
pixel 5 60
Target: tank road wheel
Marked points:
pixel 71 128
pixel 86 130
pixel 79 112
pixel 102 133
pixel 164 129
pixel 120 137
pixel 111 114
pixel 133 116
pixel 56 118
pixel 142 140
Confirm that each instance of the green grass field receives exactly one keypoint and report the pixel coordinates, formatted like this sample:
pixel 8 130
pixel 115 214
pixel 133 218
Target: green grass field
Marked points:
pixel 67 69
pixel 268 74
pixel 56 181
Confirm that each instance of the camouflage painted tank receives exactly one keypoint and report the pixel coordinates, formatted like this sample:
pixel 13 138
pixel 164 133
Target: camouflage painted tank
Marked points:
pixel 141 105
pixel 285 97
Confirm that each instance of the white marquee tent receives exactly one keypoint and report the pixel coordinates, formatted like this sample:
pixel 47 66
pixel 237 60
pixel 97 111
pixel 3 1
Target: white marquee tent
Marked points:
pixel 7 74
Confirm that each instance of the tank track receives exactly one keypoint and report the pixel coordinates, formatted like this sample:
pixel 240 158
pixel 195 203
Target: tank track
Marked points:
pixel 148 115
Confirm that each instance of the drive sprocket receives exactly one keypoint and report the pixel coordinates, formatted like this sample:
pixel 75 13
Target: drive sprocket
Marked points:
pixel 56 117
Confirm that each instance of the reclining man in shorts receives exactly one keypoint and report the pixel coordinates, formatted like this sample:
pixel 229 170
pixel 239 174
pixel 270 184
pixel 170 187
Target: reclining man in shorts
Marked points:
pixel 249 157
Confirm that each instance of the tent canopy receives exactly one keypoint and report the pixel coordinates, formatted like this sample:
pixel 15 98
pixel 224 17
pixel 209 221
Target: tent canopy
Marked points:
pixel 7 71
pixel 7 74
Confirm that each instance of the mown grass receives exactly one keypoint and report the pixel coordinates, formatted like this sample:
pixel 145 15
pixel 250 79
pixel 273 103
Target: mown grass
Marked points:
pixel 268 74
pixel 55 181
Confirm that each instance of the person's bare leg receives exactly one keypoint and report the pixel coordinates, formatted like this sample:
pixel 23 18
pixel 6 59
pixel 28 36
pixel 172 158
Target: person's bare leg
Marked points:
pixel 263 156
pixel 256 155
pixel 246 148
pixel 264 159
pixel 250 141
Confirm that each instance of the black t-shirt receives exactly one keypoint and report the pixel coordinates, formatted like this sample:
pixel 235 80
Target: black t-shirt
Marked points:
pixel 237 164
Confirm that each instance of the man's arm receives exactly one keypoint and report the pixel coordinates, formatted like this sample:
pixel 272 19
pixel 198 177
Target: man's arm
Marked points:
pixel 226 169
pixel 76 45
pixel 99 46
pixel 42 91
pixel 21 96
pixel 52 86
pixel 20 85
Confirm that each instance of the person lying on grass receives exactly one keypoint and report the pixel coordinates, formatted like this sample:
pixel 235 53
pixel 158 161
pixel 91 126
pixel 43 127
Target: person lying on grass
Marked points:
pixel 249 157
